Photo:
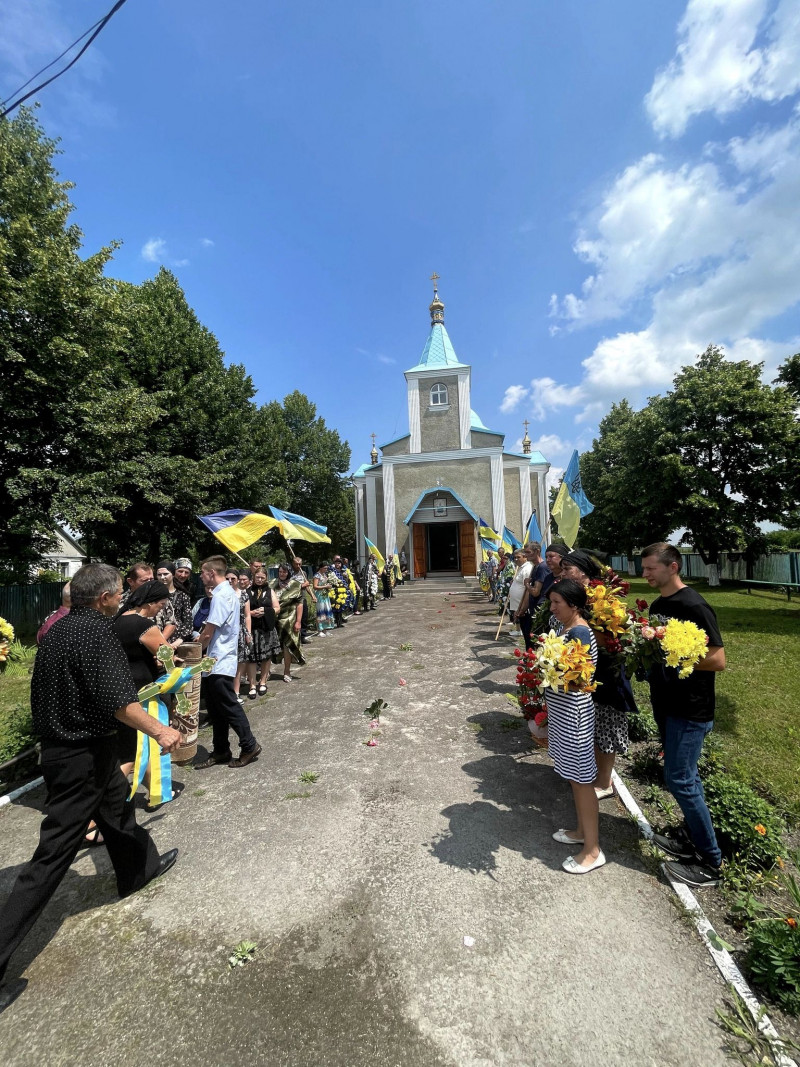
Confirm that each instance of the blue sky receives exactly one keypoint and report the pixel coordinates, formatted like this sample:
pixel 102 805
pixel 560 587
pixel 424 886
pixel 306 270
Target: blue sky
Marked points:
pixel 604 188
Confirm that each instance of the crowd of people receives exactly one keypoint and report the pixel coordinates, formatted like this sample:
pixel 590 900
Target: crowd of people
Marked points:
pixel 587 731
pixel 101 648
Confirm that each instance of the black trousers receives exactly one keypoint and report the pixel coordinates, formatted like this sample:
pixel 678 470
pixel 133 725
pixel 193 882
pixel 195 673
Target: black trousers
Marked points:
pixel 226 713
pixel 525 623
pixel 83 782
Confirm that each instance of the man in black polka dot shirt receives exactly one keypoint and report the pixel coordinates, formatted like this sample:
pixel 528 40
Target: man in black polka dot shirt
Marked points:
pixel 81 687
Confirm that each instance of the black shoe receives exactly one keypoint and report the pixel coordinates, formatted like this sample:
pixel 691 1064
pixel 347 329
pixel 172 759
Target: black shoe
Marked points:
pixel 697 874
pixel 10 991
pixel 164 864
pixel 676 842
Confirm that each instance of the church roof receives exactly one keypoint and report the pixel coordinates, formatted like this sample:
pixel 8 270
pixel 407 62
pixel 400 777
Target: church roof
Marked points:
pixel 438 351
pixel 475 423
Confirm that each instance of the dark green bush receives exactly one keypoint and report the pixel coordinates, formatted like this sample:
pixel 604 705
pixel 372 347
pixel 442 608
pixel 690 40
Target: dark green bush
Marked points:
pixel 645 764
pixel 774 961
pixel 642 725
pixel 711 759
pixel 16 731
pixel 745 824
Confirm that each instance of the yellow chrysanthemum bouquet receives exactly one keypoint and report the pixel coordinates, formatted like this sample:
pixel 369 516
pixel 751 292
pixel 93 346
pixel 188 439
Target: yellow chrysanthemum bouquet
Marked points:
pixel 658 640
pixel 6 640
pixel 564 665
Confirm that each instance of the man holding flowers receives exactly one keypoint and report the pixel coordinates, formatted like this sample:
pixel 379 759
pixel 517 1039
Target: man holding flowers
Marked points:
pixel 683 707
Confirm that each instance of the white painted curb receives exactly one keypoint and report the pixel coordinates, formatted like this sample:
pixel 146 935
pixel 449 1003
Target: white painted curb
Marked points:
pixel 723 959
pixel 23 789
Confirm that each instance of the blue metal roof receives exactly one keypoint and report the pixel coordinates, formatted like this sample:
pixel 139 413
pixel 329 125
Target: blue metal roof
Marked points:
pixel 438 351
pixel 394 442
pixel 534 457
pixel 439 489
pixel 360 472
pixel 476 425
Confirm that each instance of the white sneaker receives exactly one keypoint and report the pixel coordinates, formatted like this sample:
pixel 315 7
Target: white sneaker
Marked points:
pixel 288 678
pixel 322 634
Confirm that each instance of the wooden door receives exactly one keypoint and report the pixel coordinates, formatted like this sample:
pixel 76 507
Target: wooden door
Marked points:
pixel 468 565
pixel 420 550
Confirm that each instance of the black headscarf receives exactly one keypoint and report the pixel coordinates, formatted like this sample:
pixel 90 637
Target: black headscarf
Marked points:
pixel 147 593
pixel 558 547
pixel 584 562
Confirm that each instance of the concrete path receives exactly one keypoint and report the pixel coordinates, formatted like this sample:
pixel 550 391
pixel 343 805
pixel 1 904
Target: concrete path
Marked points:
pixel 360 895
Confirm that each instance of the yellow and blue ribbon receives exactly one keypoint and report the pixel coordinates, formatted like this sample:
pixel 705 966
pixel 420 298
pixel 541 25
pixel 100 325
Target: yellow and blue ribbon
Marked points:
pixel 148 751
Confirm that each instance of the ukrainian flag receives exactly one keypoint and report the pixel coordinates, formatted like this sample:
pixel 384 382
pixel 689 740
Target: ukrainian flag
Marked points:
pixel 237 529
pixel 509 540
pixel 373 551
pixel 487 547
pixel 297 528
pixel 571 503
pixel 532 531
pixel 485 530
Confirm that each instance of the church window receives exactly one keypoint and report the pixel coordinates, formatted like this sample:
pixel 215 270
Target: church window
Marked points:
pixel 438 395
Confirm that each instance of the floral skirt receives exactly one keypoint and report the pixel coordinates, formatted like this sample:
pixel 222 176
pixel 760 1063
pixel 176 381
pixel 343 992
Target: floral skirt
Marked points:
pixel 288 637
pixel 266 644
pixel 324 613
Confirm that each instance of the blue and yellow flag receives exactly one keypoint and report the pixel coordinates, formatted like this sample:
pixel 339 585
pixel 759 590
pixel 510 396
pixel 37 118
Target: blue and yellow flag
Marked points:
pixel 373 551
pixel 487 546
pixel 485 530
pixel 571 503
pixel 509 540
pixel 238 529
pixel 298 528
pixel 532 531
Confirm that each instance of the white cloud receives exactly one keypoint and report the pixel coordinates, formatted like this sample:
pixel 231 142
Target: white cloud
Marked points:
pixel 154 250
pixel 386 359
pixel 206 242
pixel 512 397
pixel 547 395
pixel 180 263
pixel 729 52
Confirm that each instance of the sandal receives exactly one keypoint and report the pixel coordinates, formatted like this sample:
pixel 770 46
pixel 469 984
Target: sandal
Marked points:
pixel 252 694
pixel 262 690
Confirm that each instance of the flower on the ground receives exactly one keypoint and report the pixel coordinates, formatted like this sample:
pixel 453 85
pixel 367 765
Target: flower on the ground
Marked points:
pixel 792 923
pixel 371 743
pixel 402 681
pixel 760 829
pixel 375 725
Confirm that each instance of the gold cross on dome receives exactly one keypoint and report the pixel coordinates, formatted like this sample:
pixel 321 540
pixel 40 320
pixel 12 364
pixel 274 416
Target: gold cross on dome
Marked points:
pixel 526 424
pixel 372 435
pixel 434 279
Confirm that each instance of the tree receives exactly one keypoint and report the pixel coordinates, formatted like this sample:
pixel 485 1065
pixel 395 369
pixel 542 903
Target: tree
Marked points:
pixel 61 392
pixel 727 444
pixel 628 482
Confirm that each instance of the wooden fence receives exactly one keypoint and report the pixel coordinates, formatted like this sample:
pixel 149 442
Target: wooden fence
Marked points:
pixel 781 568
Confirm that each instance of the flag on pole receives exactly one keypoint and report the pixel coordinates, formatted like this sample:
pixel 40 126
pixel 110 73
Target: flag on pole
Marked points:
pixel 487 546
pixel 571 503
pixel 485 530
pixel 298 528
pixel 237 529
pixel 532 531
pixel 509 540
pixel 373 551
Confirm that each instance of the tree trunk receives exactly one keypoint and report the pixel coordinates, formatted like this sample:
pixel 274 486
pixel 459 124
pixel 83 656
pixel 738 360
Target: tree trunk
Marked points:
pixel 712 570
pixel 631 563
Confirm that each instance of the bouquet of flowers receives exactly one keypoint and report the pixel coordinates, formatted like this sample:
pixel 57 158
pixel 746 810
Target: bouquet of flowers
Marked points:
pixel 656 639
pixel 338 595
pixel 554 663
pixel 608 614
pixel 530 696
pixel 7 653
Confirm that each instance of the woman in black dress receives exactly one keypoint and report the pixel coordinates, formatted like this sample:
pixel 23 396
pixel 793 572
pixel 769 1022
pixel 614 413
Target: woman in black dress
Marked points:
pixel 141 639
pixel 264 609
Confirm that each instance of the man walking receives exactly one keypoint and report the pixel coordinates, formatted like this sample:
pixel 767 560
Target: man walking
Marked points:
pixel 220 639
pixel 684 712
pixel 81 686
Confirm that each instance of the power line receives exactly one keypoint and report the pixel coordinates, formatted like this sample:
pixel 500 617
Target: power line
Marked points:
pixel 93 30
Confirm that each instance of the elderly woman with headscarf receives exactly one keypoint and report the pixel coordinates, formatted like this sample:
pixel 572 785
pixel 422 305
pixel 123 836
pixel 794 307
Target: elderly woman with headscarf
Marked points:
pixel 613 699
pixel 289 620
pixel 166 572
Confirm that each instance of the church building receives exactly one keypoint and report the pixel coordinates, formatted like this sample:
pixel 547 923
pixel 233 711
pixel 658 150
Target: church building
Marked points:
pixel 426 491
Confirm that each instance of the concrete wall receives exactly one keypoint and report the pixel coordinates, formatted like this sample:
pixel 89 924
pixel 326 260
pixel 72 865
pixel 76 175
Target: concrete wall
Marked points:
pixel 397 448
pixel 469 477
pixel 381 534
pixel 514 518
pixel 439 429
pixel 485 440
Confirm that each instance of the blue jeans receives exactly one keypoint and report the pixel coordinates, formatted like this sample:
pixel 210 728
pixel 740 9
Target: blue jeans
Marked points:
pixel 683 743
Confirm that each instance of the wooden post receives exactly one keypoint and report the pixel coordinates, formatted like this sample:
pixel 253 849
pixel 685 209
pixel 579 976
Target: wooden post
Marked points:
pixel 188 725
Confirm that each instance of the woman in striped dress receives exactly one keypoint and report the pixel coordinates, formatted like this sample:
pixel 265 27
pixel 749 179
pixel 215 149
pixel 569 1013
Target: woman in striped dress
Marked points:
pixel 570 733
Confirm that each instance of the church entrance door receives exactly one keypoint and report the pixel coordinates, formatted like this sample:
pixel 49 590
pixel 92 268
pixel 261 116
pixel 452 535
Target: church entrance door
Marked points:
pixel 443 546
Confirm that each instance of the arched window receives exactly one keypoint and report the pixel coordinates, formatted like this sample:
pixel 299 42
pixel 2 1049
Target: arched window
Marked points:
pixel 438 395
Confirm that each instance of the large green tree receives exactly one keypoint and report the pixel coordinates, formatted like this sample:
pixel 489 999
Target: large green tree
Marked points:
pixel 628 481
pixel 727 441
pixel 63 397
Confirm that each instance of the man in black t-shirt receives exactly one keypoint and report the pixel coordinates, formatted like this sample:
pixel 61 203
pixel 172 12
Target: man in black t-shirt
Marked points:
pixel 684 712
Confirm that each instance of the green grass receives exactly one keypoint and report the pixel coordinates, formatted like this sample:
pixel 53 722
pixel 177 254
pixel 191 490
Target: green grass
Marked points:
pixel 758 693
pixel 15 702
